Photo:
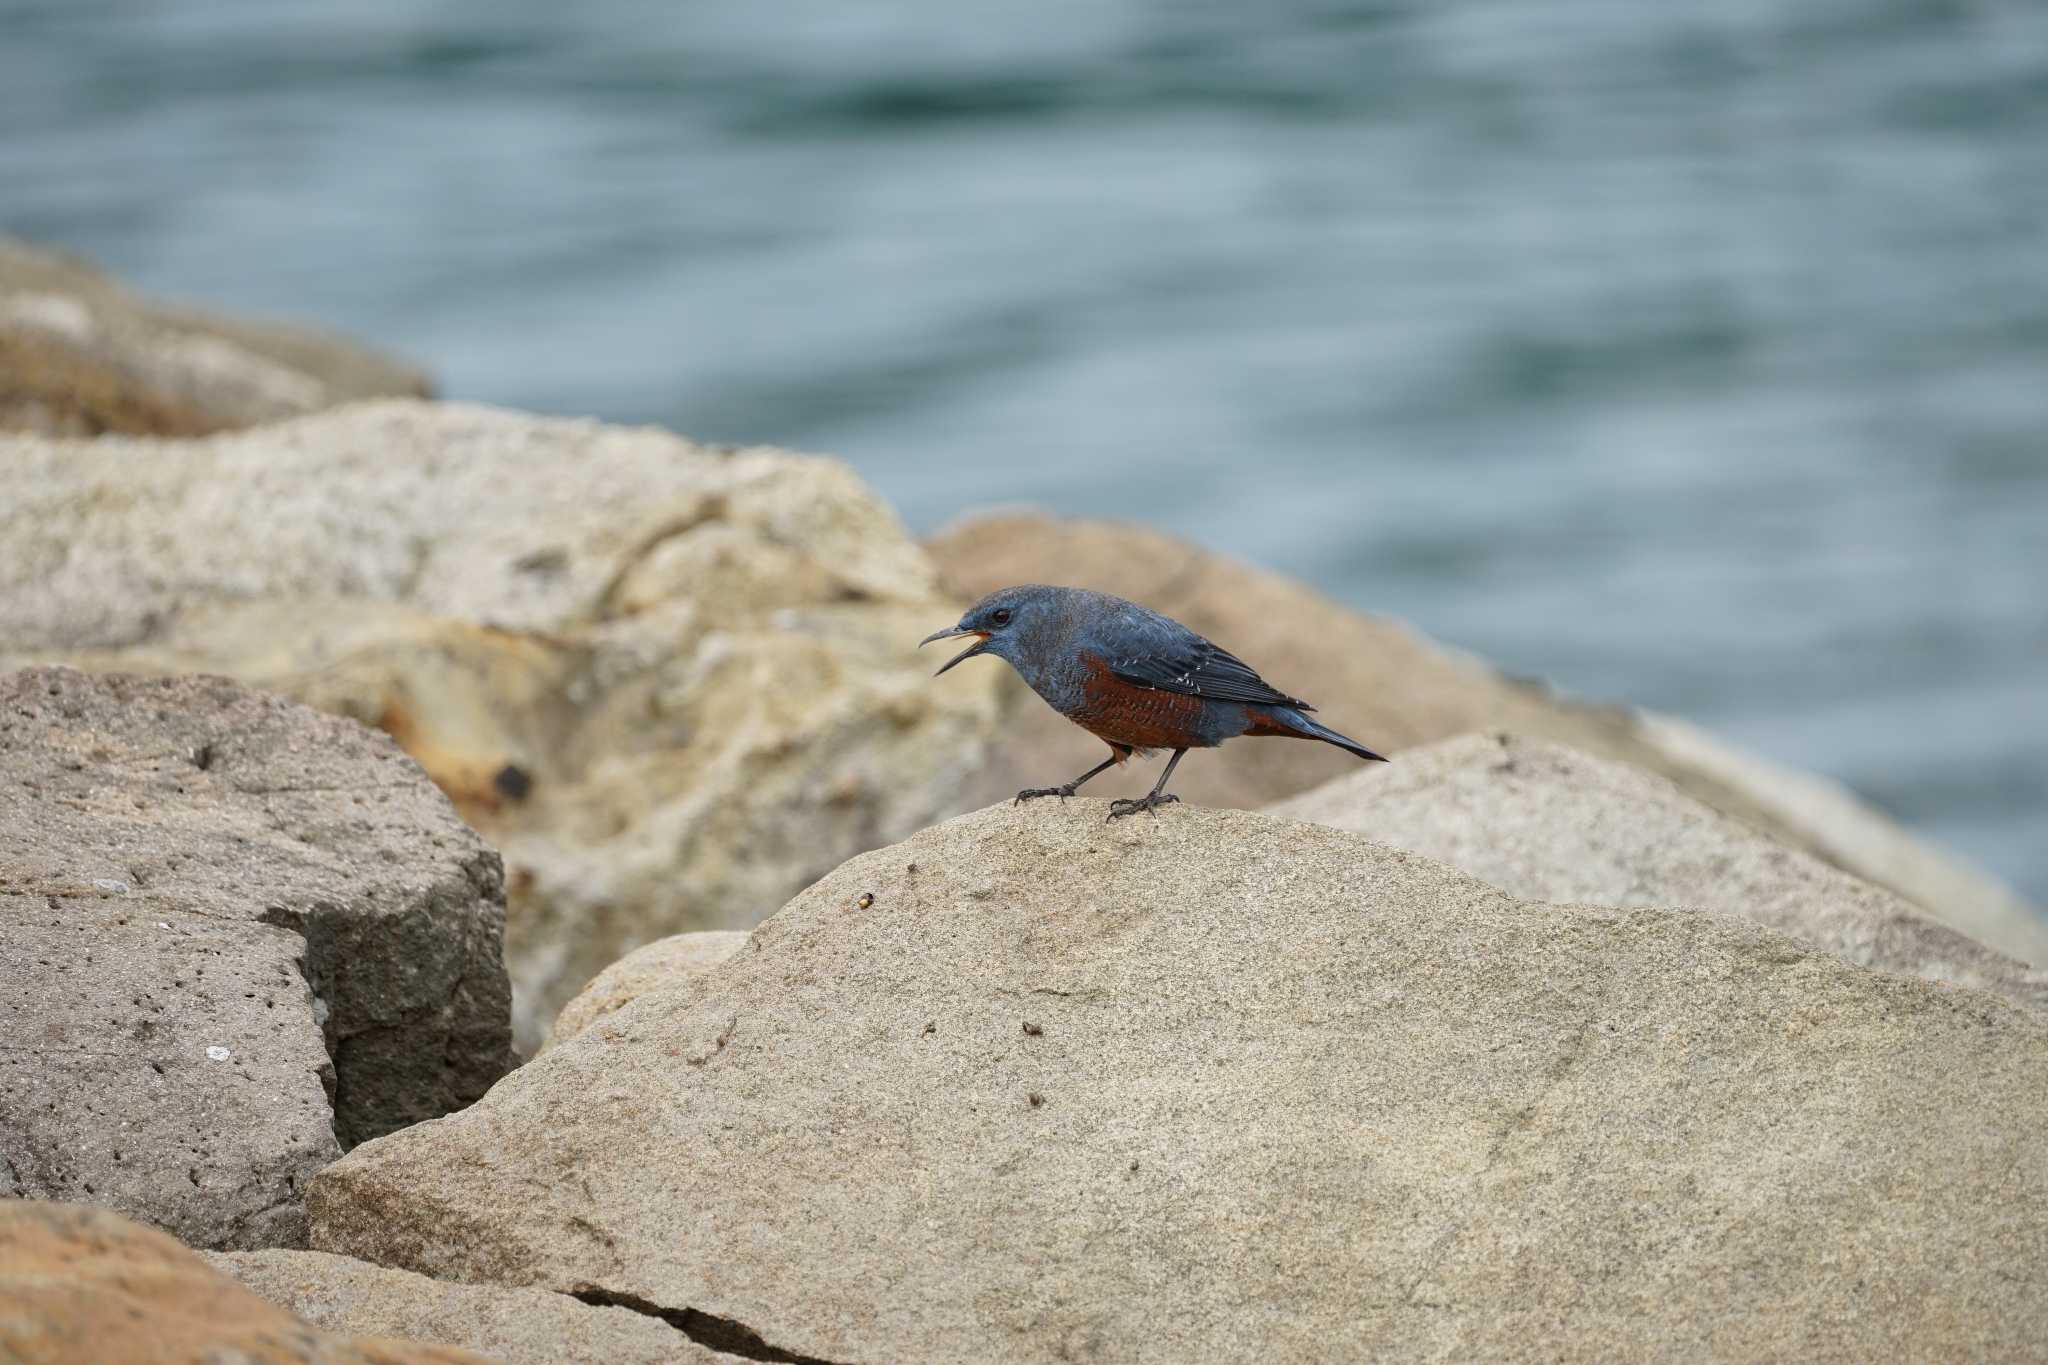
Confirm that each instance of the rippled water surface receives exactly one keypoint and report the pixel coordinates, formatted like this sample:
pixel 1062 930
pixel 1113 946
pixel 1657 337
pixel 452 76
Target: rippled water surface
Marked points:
pixel 1693 355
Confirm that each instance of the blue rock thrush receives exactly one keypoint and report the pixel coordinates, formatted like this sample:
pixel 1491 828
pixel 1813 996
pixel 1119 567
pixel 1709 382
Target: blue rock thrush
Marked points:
pixel 1134 679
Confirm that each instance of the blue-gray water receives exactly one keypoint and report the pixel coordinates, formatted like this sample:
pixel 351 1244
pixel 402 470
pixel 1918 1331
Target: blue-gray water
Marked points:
pixel 1691 355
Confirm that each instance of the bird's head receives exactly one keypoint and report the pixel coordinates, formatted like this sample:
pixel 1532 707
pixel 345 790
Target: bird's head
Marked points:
pixel 1001 621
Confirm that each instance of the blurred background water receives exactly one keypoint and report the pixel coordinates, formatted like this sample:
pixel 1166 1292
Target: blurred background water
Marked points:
pixel 1690 355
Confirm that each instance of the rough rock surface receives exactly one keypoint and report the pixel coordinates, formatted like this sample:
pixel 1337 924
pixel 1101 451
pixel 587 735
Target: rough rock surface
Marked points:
pixel 1215 1086
pixel 517 1326
pixel 1845 830
pixel 81 1285
pixel 1544 822
pixel 1385 685
pixel 218 907
pixel 664 964
pixel 672 684
pixel 80 355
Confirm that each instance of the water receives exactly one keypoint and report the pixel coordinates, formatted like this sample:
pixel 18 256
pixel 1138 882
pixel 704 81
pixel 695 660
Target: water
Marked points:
pixel 1696 356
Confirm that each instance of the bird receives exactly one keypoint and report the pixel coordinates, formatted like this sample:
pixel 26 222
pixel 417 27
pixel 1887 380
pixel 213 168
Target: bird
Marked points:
pixel 1134 678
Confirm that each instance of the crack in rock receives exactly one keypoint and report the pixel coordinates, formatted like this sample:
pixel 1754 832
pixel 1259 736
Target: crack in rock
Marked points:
pixel 706 509
pixel 706 1329
pixel 1566 1059
pixel 717 1044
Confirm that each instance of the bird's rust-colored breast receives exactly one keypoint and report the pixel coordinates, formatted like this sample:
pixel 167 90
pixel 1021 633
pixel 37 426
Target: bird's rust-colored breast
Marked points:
pixel 1141 717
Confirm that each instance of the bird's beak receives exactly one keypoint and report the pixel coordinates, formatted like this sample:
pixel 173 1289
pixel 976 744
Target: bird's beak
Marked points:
pixel 980 643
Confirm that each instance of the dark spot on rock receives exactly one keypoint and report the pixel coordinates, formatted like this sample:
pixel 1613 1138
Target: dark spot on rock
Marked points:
pixel 1032 1030
pixel 1036 1099
pixel 513 782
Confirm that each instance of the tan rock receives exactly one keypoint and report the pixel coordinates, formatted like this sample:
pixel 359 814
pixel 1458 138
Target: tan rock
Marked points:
pixel 1214 1086
pixel 665 964
pixel 1544 822
pixel 80 355
pixel 83 1286
pixel 1848 832
pixel 672 684
pixel 235 930
pixel 517 1326
pixel 1391 688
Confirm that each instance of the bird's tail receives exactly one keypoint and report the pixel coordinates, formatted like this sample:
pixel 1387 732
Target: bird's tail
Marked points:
pixel 1288 721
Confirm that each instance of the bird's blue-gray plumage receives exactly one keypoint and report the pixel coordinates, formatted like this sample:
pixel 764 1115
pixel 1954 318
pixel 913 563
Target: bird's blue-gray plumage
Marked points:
pixel 1131 676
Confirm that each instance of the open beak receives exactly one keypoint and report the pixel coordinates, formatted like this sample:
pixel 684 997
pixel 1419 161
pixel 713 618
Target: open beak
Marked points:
pixel 980 643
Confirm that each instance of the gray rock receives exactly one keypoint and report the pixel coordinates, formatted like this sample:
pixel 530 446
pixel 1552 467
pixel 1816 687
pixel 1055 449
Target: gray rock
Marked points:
pixel 673 684
pixel 1849 832
pixel 1218 1087
pixel 230 913
pixel 518 1326
pixel 1544 822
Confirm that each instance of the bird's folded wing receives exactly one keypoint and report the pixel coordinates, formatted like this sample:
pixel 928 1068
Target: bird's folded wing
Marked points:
pixel 1202 669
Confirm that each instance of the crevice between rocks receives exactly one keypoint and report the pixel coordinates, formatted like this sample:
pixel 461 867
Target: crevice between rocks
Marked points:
pixel 706 1329
pixel 310 960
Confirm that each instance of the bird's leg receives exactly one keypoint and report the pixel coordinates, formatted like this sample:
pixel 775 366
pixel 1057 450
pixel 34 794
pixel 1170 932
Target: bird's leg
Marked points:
pixel 1066 790
pixel 1152 800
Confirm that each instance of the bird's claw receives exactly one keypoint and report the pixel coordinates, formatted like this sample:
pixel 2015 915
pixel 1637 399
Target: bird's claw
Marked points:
pixel 1127 805
pixel 1063 791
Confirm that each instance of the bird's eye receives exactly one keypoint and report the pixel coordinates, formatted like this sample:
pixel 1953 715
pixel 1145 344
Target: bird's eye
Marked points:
pixel 1001 616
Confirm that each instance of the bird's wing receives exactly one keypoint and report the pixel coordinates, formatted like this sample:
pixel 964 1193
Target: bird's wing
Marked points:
pixel 1198 668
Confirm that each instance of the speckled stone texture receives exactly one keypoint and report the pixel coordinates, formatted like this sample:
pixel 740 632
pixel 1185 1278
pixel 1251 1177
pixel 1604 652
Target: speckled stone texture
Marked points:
pixel 1215 1086
pixel 663 964
pixel 240 935
pixel 1545 822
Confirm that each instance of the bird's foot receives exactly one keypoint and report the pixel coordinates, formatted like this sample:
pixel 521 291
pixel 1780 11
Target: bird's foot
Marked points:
pixel 1126 805
pixel 1063 791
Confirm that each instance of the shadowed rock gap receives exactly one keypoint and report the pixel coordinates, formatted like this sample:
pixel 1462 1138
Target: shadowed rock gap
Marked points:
pixel 706 1329
pixel 312 970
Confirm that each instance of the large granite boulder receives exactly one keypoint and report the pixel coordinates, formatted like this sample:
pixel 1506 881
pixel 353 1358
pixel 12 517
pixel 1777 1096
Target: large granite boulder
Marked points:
pixel 241 935
pixel 1544 822
pixel 83 1286
pixel 673 684
pixel 1215 1086
pixel 1392 688
pixel 516 1326
pixel 80 355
